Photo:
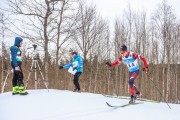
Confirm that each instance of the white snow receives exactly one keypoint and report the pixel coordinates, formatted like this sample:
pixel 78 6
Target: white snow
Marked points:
pixel 67 105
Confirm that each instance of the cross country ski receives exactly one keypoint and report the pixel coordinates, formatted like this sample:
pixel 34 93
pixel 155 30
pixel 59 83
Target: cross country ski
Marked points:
pixel 124 105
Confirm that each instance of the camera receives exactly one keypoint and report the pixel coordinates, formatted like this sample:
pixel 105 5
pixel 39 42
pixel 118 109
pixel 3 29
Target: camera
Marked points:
pixel 34 46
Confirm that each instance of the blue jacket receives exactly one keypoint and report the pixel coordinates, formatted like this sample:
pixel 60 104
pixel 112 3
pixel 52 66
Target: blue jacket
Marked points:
pixel 15 52
pixel 78 59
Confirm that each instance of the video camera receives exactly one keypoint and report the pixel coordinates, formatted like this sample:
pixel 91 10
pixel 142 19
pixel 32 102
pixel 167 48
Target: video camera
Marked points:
pixel 34 46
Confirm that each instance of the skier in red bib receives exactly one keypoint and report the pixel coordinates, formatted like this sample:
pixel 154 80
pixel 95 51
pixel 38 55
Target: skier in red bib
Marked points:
pixel 131 60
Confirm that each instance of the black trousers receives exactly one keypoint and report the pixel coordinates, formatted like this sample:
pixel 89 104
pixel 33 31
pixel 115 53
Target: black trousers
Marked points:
pixel 18 76
pixel 76 81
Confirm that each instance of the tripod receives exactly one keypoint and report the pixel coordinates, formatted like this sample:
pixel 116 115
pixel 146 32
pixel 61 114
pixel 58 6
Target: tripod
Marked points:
pixel 4 83
pixel 35 68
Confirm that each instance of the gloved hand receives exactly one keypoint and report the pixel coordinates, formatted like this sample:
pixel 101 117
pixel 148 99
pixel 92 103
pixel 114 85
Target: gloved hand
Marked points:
pixel 107 63
pixel 74 68
pixel 60 67
pixel 145 69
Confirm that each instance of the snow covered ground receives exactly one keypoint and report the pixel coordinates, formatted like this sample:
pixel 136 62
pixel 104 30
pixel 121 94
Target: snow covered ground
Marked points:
pixel 67 105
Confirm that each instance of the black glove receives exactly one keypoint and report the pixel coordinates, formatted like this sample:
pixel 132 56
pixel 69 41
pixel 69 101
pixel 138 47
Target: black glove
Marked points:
pixel 74 68
pixel 60 67
pixel 145 69
pixel 107 63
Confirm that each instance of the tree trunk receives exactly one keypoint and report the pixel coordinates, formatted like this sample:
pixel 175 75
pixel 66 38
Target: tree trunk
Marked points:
pixel 163 80
pixel 46 40
pixel 168 82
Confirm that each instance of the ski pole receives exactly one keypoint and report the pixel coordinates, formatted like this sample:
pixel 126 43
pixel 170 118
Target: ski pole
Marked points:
pixel 158 90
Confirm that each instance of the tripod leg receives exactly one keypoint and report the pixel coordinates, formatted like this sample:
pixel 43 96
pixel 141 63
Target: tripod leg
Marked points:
pixel 35 73
pixel 29 74
pixel 45 83
pixel 28 79
pixel 4 84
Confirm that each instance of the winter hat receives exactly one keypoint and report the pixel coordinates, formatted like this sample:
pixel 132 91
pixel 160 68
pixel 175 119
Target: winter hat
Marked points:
pixel 123 48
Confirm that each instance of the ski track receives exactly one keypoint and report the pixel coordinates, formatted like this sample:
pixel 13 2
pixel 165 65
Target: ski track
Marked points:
pixel 67 105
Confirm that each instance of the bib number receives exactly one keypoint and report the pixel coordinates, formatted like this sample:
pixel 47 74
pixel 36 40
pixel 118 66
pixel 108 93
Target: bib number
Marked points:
pixel 131 65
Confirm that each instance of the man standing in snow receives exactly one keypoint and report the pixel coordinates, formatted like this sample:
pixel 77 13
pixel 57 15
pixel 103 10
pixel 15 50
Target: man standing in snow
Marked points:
pixel 16 61
pixel 130 58
pixel 77 67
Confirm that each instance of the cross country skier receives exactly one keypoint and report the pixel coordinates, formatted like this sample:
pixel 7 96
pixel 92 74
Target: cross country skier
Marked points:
pixel 16 61
pixel 77 66
pixel 130 58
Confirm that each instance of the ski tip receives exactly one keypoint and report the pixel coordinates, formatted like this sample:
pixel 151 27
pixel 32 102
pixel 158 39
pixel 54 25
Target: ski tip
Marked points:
pixel 108 104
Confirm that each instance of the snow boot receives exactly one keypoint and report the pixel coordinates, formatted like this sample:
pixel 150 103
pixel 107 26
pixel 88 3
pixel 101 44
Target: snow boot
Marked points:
pixel 22 90
pixel 15 90
pixel 133 98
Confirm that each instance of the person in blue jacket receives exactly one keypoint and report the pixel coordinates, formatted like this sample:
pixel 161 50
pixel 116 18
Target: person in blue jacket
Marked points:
pixel 77 66
pixel 16 61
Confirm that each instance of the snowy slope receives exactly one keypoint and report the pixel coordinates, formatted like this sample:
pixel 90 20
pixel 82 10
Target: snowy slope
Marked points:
pixel 66 105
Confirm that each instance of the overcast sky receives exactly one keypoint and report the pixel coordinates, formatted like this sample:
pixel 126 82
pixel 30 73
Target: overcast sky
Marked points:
pixel 114 8
pixel 111 9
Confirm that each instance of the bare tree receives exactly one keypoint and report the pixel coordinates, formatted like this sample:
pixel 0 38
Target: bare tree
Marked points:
pixel 89 27
pixel 129 16
pixel 164 20
pixel 3 20
pixel 41 17
pixel 63 26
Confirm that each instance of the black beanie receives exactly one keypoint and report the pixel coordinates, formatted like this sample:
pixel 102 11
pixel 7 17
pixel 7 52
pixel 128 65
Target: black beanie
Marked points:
pixel 123 48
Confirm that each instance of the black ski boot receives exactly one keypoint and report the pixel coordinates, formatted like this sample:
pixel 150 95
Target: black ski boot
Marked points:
pixel 132 101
